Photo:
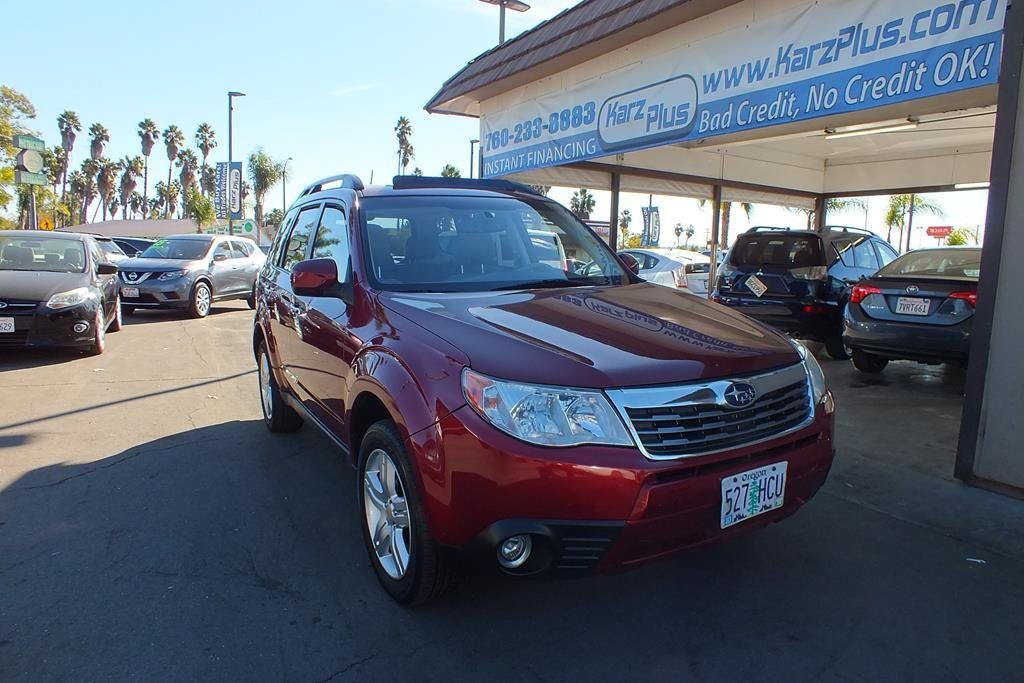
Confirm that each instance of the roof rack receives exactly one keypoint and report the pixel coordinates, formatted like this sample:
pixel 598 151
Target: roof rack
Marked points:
pixel 846 228
pixel 411 182
pixel 768 228
pixel 345 180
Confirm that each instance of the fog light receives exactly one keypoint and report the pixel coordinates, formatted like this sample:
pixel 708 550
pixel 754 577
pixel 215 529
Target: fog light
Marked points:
pixel 81 327
pixel 514 551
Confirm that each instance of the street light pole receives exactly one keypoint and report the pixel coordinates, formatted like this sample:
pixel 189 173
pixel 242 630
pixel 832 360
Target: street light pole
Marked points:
pixel 284 181
pixel 471 144
pixel 515 5
pixel 231 109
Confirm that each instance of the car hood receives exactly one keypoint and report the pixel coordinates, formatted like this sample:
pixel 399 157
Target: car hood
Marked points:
pixel 36 285
pixel 598 337
pixel 151 265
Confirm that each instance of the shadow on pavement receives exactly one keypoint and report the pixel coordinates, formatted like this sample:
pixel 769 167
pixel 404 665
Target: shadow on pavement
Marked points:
pixel 229 553
pixel 27 358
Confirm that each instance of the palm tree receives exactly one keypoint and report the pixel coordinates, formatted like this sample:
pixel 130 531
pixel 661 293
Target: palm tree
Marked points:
pixel 131 167
pixel 206 140
pixel 83 185
pixel 450 171
pixel 189 165
pixel 723 239
pixel 99 137
pixel 171 196
pixel 835 205
pixel 153 207
pixel 106 181
pixel 899 209
pixel 199 208
pixel 582 203
pixel 136 204
pixel 264 173
pixel 113 207
pixel 689 234
pixel 417 171
pixel 208 180
pixel 148 134
pixel 403 131
pixel 69 125
pixel 173 140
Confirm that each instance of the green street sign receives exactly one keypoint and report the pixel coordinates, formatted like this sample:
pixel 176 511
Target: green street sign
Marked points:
pixel 27 178
pixel 29 142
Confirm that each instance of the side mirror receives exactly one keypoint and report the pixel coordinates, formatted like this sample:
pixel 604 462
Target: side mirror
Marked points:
pixel 630 261
pixel 219 257
pixel 318 277
pixel 106 269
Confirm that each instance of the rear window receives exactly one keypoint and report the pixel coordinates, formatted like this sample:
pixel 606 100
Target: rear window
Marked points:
pixel 788 251
pixel 938 263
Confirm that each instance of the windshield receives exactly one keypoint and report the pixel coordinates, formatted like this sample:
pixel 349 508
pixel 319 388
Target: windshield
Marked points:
pixel 50 254
pixel 774 249
pixel 938 263
pixel 463 244
pixel 110 249
pixel 180 249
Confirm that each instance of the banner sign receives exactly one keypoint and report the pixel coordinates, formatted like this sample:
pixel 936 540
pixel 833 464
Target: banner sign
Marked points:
pixel 652 226
pixel 830 57
pixel 220 196
pixel 227 200
pixel 939 231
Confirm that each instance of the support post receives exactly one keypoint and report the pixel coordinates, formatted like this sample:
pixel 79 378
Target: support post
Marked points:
pixel 910 220
pixel 716 226
pixel 819 213
pixel 613 225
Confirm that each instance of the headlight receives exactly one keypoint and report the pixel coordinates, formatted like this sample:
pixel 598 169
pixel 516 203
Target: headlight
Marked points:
pixel 72 297
pixel 547 416
pixel 173 274
pixel 814 371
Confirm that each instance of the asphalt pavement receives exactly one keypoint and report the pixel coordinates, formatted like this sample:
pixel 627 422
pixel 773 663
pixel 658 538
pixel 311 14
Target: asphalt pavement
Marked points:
pixel 152 529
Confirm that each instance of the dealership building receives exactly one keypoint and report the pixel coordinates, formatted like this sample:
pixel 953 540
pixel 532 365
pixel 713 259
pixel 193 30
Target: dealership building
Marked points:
pixel 787 102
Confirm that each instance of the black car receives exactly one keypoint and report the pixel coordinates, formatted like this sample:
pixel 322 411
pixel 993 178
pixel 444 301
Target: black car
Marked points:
pixel 799 280
pixel 132 246
pixel 56 289
pixel 919 307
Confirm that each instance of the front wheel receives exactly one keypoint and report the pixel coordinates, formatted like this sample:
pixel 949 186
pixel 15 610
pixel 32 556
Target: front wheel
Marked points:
pixel 99 334
pixel 409 563
pixel 117 322
pixel 866 362
pixel 251 299
pixel 202 298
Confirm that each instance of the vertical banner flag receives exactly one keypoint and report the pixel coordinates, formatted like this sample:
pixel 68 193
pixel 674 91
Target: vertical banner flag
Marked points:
pixel 821 59
pixel 652 226
pixel 235 191
pixel 220 196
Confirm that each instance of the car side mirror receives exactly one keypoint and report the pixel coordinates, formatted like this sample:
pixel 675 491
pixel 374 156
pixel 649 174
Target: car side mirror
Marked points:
pixel 106 269
pixel 319 277
pixel 219 257
pixel 630 261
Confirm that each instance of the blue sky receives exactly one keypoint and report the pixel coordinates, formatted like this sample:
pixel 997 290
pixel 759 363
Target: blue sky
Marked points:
pixel 326 82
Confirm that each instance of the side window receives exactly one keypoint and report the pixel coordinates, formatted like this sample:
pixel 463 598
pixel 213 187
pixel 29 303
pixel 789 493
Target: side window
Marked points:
pixel 332 239
pixel 864 255
pixel 238 250
pixel 280 238
pixel 98 256
pixel 298 240
pixel 886 254
pixel 223 249
pixel 840 251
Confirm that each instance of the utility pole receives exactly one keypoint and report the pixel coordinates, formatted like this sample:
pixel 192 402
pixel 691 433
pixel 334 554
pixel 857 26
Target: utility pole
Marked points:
pixel 231 109
pixel 910 220
pixel 284 180
pixel 471 144
pixel 514 5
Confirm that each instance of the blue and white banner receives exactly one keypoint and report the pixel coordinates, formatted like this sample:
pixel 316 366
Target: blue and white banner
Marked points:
pixel 830 57
pixel 652 226
pixel 220 196
pixel 227 200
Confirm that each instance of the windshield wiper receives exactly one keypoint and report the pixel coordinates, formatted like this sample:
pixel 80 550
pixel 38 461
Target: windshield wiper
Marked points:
pixel 551 283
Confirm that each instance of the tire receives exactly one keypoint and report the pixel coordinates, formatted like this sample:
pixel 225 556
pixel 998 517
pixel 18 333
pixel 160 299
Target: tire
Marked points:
pixel 251 299
pixel 202 300
pixel 836 349
pixel 865 362
pixel 278 416
pixel 99 334
pixel 387 488
pixel 118 322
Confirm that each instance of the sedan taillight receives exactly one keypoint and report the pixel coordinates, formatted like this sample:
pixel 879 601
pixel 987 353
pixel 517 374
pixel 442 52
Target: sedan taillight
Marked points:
pixel 860 292
pixel 969 297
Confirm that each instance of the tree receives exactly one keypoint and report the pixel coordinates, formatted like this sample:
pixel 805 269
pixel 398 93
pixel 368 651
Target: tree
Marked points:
pixel 403 131
pixel 689 234
pixel 543 189
pixel 54 163
pixel 15 108
pixel 173 140
pixel 450 171
pixel 171 196
pixel 99 136
pixel 131 167
pixel 899 209
pixel 70 126
pixel 83 186
pixel 582 203
pixel 723 236
pixel 189 165
pixel 148 135
pixel 208 180
pixel 834 205
pixel 264 173
pixel 106 182
pixel 417 171
pixel 206 140
pixel 274 219
pixel 678 230
pixel 136 205
pixel 199 208
pixel 962 236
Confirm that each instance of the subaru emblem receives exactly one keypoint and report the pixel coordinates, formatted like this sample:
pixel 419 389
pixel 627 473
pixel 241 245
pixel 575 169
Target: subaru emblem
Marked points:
pixel 913 289
pixel 740 394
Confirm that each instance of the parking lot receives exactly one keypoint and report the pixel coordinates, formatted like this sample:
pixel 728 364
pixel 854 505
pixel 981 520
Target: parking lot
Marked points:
pixel 151 528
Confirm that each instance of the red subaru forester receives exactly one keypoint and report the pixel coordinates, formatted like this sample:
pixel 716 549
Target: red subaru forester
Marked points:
pixel 512 395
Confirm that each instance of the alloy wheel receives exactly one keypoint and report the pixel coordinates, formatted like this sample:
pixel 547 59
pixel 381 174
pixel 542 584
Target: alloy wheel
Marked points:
pixel 202 300
pixel 266 395
pixel 387 513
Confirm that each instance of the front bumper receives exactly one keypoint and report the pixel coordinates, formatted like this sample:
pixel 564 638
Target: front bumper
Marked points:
pixel 174 293
pixel 42 326
pixel 907 341
pixel 595 507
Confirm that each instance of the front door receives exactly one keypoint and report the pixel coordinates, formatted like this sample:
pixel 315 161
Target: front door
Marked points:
pixel 221 271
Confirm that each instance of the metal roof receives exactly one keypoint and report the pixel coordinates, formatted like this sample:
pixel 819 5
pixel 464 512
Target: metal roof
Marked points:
pixel 575 35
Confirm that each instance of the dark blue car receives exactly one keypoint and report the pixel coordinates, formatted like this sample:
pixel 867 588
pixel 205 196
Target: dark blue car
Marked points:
pixel 799 280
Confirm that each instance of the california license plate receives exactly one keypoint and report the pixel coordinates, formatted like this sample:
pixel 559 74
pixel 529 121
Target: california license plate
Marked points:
pixel 130 292
pixel 6 325
pixel 911 305
pixel 752 493
pixel 755 285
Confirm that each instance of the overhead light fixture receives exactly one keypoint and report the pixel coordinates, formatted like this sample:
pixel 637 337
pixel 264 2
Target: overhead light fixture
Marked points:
pixel 971 186
pixel 833 134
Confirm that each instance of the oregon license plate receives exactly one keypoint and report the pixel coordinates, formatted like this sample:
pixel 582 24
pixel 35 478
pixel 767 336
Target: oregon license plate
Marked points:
pixel 6 325
pixel 130 292
pixel 912 305
pixel 755 285
pixel 753 493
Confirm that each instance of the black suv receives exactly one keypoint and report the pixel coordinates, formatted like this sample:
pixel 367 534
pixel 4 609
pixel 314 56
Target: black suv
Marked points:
pixel 799 280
